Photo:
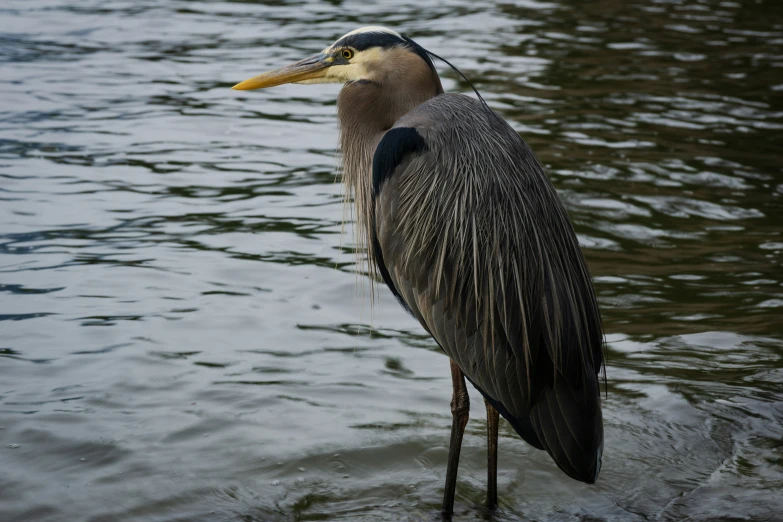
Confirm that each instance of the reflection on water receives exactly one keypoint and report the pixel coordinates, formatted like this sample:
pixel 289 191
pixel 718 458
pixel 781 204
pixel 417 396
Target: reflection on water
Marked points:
pixel 182 337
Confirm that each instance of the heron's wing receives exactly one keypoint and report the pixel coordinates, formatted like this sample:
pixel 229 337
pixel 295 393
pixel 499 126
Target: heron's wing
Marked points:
pixel 471 237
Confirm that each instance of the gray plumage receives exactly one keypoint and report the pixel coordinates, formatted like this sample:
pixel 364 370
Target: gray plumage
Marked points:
pixel 456 215
pixel 482 252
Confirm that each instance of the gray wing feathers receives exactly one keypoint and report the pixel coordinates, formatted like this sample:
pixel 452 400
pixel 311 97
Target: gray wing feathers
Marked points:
pixel 571 430
pixel 481 250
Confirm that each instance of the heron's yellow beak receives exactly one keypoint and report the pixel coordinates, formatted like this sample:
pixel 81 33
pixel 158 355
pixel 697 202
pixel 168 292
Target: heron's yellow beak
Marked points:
pixel 311 69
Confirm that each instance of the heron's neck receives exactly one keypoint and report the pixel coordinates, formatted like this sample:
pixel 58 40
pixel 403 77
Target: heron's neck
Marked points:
pixel 366 110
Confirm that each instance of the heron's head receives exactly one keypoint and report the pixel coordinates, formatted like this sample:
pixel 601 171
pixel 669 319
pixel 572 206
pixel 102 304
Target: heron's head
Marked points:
pixel 373 55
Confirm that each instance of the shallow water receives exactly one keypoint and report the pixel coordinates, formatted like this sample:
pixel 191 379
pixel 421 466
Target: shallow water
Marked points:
pixel 181 333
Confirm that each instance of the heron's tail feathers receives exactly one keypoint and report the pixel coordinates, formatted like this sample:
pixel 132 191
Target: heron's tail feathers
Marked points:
pixel 569 425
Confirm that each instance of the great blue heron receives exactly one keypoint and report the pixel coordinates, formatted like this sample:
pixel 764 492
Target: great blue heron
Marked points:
pixel 459 219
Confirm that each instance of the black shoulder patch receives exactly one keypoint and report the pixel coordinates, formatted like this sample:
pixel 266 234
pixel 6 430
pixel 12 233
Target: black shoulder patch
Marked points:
pixel 394 145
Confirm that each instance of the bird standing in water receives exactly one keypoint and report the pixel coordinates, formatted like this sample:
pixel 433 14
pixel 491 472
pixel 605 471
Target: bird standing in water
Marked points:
pixel 457 216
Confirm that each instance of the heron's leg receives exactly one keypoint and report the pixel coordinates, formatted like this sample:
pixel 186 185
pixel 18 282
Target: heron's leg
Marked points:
pixel 460 409
pixel 492 456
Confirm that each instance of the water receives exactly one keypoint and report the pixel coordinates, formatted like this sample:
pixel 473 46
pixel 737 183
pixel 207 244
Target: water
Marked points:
pixel 182 337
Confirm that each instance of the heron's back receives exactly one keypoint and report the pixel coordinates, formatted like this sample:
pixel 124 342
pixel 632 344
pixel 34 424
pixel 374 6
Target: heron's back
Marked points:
pixel 471 236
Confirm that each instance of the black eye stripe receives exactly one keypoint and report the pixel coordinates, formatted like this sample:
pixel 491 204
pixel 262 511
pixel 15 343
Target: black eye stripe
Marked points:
pixel 363 41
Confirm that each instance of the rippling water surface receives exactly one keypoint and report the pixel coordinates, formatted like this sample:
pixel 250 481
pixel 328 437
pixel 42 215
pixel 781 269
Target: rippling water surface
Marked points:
pixel 181 333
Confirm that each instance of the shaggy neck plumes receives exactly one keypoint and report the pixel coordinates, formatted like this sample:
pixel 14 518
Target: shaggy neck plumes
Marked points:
pixel 366 109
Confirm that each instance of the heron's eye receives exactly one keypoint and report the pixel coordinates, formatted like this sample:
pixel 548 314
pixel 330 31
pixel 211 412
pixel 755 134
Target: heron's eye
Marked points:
pixel 347 54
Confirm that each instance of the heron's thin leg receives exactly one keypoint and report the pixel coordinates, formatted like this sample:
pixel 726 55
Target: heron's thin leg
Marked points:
pixel 492 456
pixel 460 409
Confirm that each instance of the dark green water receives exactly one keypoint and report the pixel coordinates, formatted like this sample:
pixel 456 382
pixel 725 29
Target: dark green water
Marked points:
pixel 181 334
